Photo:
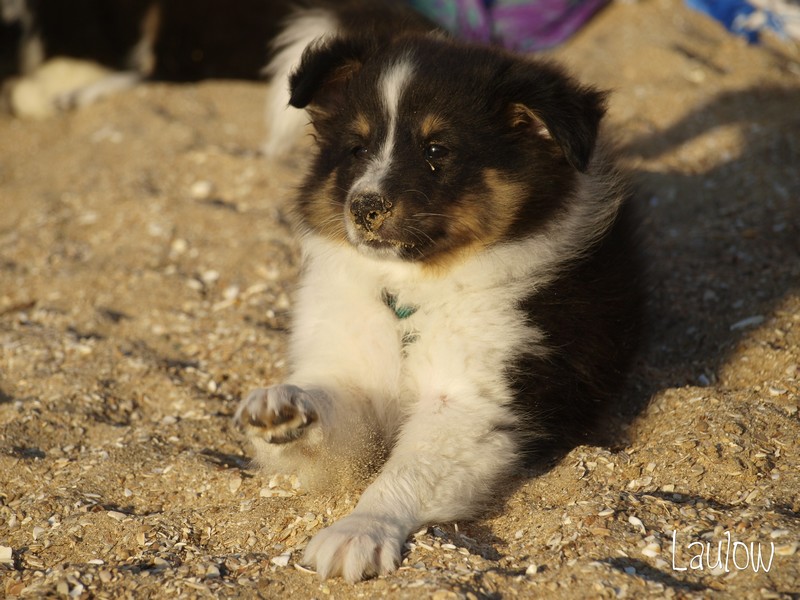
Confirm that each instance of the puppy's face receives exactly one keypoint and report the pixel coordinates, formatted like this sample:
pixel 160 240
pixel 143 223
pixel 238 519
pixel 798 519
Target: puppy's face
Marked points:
pixel 427 148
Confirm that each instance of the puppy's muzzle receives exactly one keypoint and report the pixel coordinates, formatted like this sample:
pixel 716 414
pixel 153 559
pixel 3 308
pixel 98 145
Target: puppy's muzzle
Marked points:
pixel 370 211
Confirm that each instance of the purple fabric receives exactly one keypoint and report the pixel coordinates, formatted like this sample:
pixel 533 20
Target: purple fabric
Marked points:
pixel 522 25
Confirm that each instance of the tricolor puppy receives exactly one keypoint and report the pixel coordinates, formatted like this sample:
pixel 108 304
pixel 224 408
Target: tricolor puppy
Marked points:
pixel 469 294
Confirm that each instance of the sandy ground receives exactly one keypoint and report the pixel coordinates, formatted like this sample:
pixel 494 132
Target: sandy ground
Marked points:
pixel 145 281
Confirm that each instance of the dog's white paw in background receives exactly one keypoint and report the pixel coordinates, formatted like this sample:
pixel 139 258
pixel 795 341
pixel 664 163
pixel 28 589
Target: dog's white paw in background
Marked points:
pixel 63 83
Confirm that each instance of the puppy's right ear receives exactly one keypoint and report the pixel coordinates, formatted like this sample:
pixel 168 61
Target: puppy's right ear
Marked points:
pixel 326 68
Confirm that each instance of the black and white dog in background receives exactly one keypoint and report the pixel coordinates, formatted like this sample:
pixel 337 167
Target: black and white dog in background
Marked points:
pixel 470 293
pixel 72 52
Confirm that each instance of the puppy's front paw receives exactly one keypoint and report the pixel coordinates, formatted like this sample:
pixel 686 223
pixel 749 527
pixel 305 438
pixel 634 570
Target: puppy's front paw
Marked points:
pixel 357 547
pixel 278 414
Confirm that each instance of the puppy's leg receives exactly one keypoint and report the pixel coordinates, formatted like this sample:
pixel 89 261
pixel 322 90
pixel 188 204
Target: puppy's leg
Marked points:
pixel 319 434
pixel 448 458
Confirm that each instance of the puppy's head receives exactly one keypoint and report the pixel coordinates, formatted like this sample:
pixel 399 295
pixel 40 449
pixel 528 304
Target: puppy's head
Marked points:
pixel 428 148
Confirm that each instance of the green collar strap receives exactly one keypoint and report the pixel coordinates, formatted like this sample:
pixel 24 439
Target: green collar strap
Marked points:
pixel 401 312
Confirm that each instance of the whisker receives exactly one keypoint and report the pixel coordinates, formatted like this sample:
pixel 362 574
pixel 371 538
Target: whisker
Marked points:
pixel 430 214
pixel 418 234
pixel 420 192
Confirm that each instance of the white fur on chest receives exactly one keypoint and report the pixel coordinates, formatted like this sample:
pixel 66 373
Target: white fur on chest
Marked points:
pixel 464 330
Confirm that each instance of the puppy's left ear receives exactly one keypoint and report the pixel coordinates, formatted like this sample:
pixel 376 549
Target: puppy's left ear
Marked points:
pixel 325 70
pixel 540 99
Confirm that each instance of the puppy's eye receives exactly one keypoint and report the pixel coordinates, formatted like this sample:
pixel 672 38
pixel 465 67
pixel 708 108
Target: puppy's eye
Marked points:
pixel 360 151
pixel 435 152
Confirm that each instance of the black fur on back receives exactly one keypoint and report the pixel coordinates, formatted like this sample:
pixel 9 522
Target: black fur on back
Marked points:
pixel 592 317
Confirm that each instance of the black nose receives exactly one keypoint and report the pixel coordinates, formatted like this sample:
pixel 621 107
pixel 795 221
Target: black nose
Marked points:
pixel 370 211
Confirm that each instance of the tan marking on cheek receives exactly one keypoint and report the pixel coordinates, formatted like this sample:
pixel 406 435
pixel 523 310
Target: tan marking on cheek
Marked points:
pixel 482 219
pixel 324 214
pixel 430 125
pixel 487 215
pixel 507 198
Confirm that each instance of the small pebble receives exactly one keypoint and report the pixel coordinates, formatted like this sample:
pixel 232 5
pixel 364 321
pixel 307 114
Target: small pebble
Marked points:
pixel 777 533
pixel 179 246
pixel 231 292
pixel 652 550
pixel 635 484
pixel 201 190
pixel 636 522
pixel 786 549
pixel 212 572
pixel 210 276
pixel 281 560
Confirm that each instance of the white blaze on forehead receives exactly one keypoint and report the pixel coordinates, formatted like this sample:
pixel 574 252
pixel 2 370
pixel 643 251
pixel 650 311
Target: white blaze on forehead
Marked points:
pixel 391 86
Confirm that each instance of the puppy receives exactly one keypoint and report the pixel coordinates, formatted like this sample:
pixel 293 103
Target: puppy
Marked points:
pixel 469 295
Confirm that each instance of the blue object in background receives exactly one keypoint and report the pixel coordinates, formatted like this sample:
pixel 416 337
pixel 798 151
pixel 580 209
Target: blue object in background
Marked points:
pixel 731 13
pixel 749 19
